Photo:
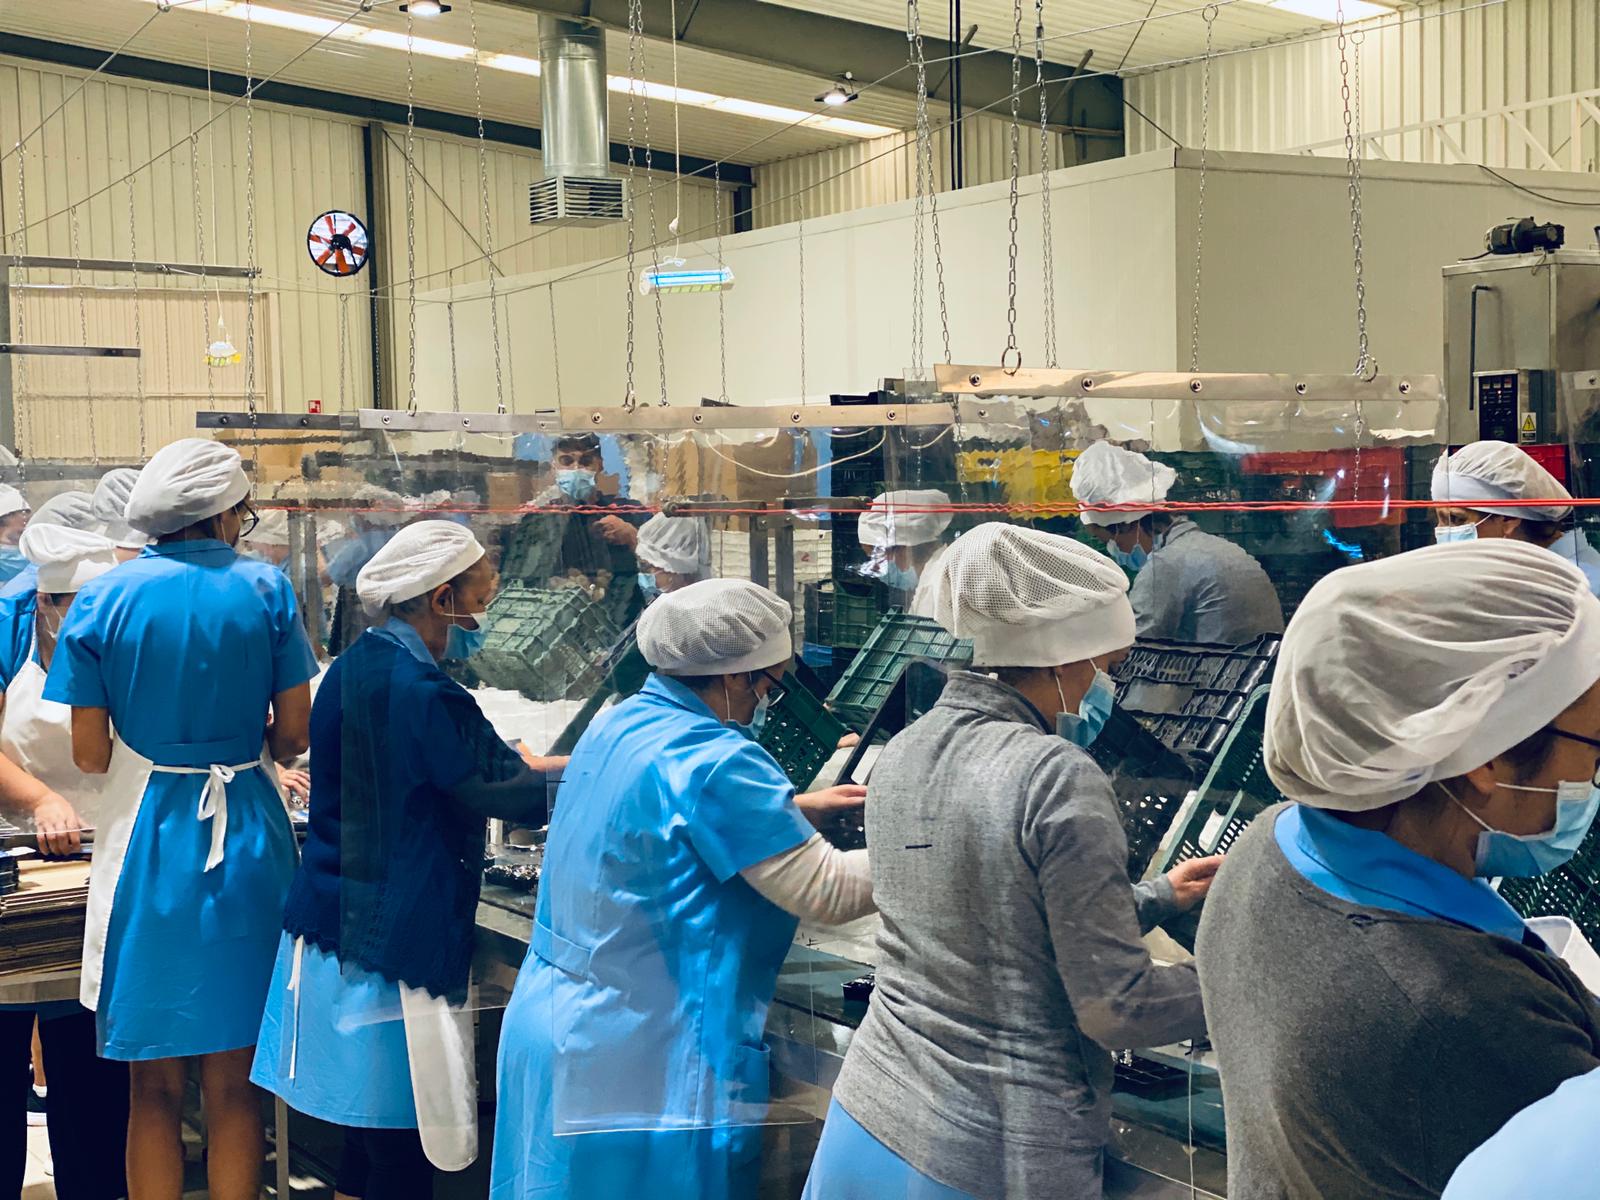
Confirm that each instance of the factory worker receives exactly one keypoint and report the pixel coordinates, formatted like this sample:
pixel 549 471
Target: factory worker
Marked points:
pixel 13 520
pixel 1470 486
pixel 1190 586
pixel 906 543
pixel 673 552
pixel 366 1024
pixel 43 789
pixel 111 510
pixel 1542 1151
pixel 1009 962
pixel 1377 1008
pixel 198 660
pixel 676 868
pixel 73 510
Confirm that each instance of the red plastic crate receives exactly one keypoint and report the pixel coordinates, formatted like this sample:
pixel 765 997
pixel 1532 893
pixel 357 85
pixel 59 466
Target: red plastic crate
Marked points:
pixel 1377 474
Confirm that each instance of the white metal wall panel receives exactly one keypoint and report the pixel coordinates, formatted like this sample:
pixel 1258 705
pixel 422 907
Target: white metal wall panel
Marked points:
pixel 883 171
pixel 1441 60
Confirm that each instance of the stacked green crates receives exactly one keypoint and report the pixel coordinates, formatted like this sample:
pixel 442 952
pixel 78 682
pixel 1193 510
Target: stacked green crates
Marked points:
pixel 547 643
pixel 799 732
pixel 533 547
pixel 899 640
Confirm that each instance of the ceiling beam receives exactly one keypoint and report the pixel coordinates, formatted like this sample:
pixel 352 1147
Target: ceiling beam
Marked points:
pixel 825 46
pixel 342 104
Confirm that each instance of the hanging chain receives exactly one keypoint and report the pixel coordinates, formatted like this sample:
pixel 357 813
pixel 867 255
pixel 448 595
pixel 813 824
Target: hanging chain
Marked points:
pixel 918 299
pixel 20 247
pixel 555 342
pixel 800 233
pixel 1200 206
pixel 629 396
pixel 344 343
pixel 1047 263
pixel 1011 356
pixel 650 196
pixel 1356 39
pixel 450 328
pixel 83 330
pixel 488 223
pixel 722 293
pixel 411 218
pixel 205 291
pixel 138 330
pixel 1365 365
pixel 250 219
pixel 927 182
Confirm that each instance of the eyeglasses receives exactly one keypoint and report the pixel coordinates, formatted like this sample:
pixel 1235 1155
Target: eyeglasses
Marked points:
pixel 248 522
pixel 1587 741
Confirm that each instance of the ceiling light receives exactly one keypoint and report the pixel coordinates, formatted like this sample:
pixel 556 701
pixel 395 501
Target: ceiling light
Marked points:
pixel 840 93
pixel 389 39
pixel 1328 10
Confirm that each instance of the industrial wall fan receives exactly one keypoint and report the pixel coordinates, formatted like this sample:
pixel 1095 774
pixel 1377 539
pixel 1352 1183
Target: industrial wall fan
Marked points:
pixel 338 243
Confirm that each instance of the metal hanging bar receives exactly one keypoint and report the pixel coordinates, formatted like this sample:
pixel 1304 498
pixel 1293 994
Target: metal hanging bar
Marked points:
pixel 44 351
pixel 48 262
pixel 1000 381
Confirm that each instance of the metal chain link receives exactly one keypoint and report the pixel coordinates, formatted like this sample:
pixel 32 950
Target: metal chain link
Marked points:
pixel 637 31
pixel 1047 260
pixel 918 298
pixel 83 330
pixel 200 246
pixel 722 293
pixel 20 247
pixel 250 221
pixel 450 327
pixel 1365 365
pixel 1210 15
pixel 1356 39
pixel 1011 351
pixel 344 344
pixel 629 395
pixel 926 157
pixel 555 342
pixel 800 234
pixel 138 330
pixel 411 217
pixel 488 222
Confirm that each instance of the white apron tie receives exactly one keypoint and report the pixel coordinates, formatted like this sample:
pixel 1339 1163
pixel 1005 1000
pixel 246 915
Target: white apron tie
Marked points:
pixel 213 800
pixel 294 1021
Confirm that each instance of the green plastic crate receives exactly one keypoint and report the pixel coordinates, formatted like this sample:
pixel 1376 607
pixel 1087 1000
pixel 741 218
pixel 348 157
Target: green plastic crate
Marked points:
pixel 1569 891
pixel 533 548
pixel 1236 790
pixel 899 640
pixel 548 644
pixel 800 733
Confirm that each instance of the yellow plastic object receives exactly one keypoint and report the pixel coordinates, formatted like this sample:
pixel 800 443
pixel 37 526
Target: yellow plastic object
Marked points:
pixel 1042 477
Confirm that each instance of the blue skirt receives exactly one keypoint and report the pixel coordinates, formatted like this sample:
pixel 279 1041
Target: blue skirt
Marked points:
pixel 350 1065
pixel 189 951
pixel 851 1164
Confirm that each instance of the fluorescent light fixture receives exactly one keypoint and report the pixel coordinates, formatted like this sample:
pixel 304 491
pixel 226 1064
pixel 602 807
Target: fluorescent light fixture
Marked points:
pixel 669 279
pixel 842 92
pixel 425 8
pixel 388 39
pixel 1328 10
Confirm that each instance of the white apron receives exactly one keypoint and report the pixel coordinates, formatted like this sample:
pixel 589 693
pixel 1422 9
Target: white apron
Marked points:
pixel 122 795
pixel 36 734
pixel 444 1073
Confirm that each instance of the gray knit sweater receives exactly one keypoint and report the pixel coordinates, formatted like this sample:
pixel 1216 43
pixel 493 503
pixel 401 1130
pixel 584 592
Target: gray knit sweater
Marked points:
pixel 1364 1052
pixel 1010 958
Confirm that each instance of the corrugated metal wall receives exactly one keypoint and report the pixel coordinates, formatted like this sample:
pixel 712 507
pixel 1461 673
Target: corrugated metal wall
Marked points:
pixel 1438 60
pixel 883 171
pixel 305 164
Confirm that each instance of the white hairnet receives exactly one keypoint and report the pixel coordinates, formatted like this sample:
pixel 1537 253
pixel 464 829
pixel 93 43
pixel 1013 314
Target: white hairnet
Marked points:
pixel 184 482
pixel 75 510
pixel 1028 598
pixel 11 500
pixel 272 529
pixel 416 560
pixel 379 506
pixel 1420 667
pixel 1108 474
pixel 716 627
pixel 67 558
pixel 1476 476
pixel 111 507
pixel 887 524
pixel 676 544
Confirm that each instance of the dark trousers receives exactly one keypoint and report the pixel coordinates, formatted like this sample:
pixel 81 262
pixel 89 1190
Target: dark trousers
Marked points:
pixel 385 1164
pixel 87 1107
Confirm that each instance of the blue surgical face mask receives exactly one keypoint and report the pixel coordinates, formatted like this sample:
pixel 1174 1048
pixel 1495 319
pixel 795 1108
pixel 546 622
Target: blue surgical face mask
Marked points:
pixel 1513 856
pixel 575 483
pixel 649 586
pixel 1444 534
pixel 758 719
pixel 1094 710
pixel 462 643
pixel 902 579
pixel 1133 560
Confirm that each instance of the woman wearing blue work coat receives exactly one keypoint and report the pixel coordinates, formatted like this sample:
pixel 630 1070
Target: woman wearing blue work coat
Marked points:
pixel 631 1060
pixel 197 659
pixel 369 1024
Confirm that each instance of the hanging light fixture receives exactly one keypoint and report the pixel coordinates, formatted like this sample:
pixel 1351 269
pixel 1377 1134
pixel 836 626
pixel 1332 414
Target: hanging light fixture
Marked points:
pixel 425 8
pixel 221 353
pixel 842 92
pixel 670 276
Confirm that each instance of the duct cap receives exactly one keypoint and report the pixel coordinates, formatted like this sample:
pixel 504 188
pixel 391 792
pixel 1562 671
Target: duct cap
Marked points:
pixel 575 200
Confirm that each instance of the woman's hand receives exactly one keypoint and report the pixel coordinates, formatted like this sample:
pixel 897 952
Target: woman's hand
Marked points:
pixel 296 785
pixel 1191 880
pixel 548 765
pixel 849 741
pixel 58 826
pixel 819 806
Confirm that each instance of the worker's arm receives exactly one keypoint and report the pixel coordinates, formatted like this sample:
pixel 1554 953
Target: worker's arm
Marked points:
pixel 523 796
pixel 459 751
pixel 91 740
pixel 1158 599
pixel 1120 996
pixel 289 734
pixel 816 882
pixel 56 822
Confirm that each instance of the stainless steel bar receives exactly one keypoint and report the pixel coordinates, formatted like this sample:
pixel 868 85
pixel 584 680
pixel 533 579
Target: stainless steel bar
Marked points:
pixel 50 262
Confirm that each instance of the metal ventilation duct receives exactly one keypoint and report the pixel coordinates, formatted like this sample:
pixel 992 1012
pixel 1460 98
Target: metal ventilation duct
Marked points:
pixel 577 188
